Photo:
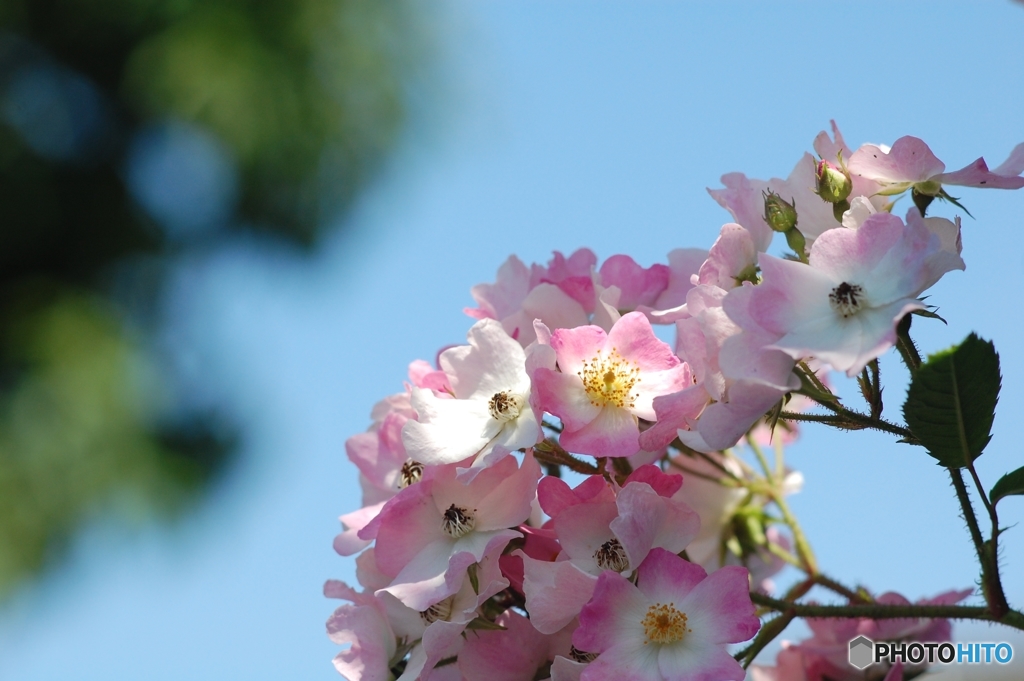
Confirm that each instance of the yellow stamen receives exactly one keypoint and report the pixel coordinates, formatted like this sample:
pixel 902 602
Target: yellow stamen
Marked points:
pixel 664 624
pixel 609 380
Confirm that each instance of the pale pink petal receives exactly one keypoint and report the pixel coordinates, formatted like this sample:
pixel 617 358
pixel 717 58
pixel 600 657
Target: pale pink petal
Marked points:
pixel 555 592
pixel 510 655
pixel 720 608
pixel 654 384
pixel 555 495
pixel 554 307
pixel 723 423
pixel 372 643
pixel 698 663
pixel 909 160
pixel 576 345
pixel 501 495
pixel 614 432
pixel 665 484
pixel 742 197
pixel 580 263
pixel 647 520
pixel 564 669
pixel 615 611
pixel 448 431
pixel 492 362
pixel 683 263
pixel 666 578
pixel 733 253
pixel 606 313
pixel 639 286
pixel 634 339
pixel 504 297
pixel 845 254
pixel 1014 165
pixel 563 395
pixel 673 411
pixel 639 663
pixel 582 530
pixel 348 542
pixel 826 148
pixel 977 174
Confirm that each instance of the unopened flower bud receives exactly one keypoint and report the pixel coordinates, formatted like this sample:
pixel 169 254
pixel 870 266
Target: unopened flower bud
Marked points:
pixel 832 184
pixel 778 213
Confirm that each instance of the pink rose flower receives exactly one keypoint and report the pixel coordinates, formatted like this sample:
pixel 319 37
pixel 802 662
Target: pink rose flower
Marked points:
pixel 605 382
pixel 674 623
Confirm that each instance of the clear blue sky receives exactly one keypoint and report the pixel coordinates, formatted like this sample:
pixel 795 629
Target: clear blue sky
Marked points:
pixel 568 125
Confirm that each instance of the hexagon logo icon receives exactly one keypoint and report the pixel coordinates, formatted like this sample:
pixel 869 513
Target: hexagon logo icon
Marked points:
pixel 862 650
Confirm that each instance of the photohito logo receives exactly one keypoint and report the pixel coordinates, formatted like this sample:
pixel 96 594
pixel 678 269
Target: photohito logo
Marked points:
pixel 865 652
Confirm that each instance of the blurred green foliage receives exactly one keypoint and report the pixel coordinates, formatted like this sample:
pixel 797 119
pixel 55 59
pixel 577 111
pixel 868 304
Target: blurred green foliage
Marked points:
pixel 304 99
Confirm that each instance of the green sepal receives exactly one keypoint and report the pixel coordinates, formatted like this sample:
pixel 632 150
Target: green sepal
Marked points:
pixel 929 314
pixel 952 400
pixel 955 201
pixel 474 578
pixel 1011 484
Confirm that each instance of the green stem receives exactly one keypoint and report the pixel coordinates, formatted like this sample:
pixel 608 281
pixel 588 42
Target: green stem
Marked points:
pixel 853 420
pixel 884 611
pixel 968 511
pixel 550 452
pixel 760 457
pixel 803 547
pixel 841 589
pixel 724 482
pixel 906 346
pixel 988 558
pixel 768 633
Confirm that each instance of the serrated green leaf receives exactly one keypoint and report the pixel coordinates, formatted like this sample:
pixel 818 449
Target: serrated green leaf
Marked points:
pixel 1008 485
pixel 952 400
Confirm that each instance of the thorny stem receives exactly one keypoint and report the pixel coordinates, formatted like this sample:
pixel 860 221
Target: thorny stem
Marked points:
pixel 551 426
pixel 906 346
pixel 969 517
pixel 852 420
pixel 885 611
pixel 841 589
pixel 991 585
pixel 550 452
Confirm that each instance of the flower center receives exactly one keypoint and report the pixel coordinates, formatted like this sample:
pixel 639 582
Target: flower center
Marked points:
pixel 611 556
pixel 609 380
pixel 410 474
pixel 505 406
pixel 458 522
pixel 664 624
pixel 438 611
pixel 847 299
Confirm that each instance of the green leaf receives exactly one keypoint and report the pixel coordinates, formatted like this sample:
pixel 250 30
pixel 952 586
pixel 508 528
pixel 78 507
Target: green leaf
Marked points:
pixel 952 400
pixel 1008 485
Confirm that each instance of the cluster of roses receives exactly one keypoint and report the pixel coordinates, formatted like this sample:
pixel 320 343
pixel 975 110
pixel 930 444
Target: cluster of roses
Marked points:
pixel 482 568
